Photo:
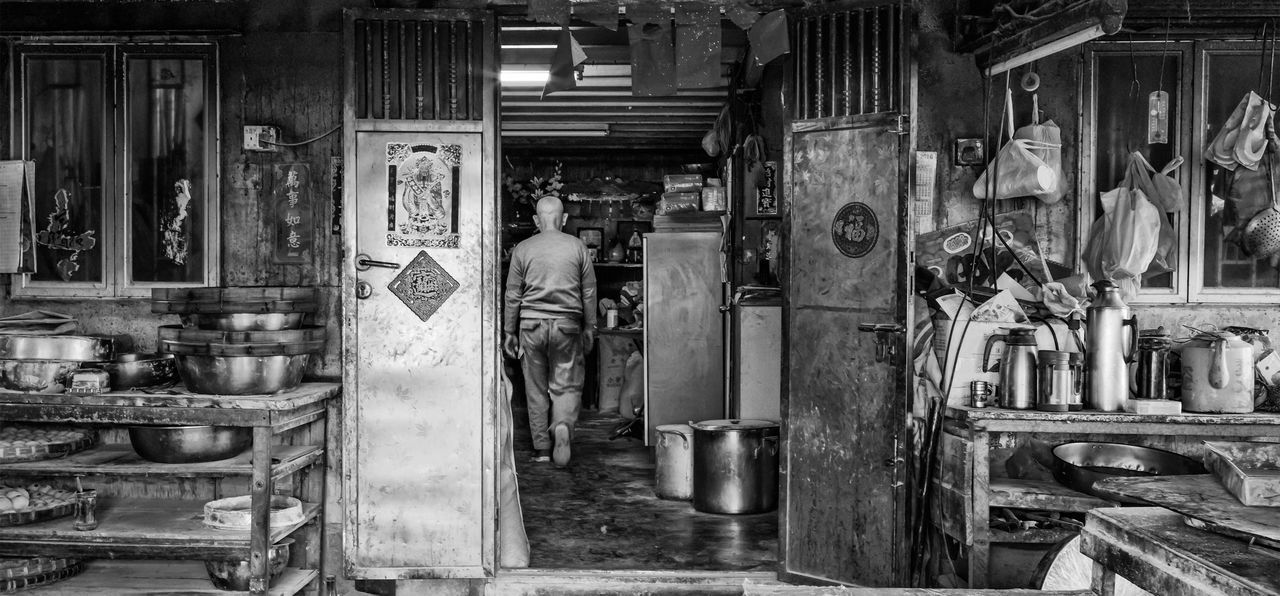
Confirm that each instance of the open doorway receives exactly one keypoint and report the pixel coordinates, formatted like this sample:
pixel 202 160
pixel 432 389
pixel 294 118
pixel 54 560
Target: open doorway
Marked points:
pixel 606 152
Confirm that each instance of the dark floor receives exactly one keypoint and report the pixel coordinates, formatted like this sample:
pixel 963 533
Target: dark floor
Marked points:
pixel 601 513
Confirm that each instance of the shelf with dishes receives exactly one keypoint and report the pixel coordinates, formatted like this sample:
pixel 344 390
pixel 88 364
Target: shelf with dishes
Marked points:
pixel 141 528
pixel 189 578
pixel 120 459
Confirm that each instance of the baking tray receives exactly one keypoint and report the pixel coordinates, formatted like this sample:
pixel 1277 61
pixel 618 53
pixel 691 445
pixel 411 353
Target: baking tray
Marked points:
pixel 13 585
pixel 1250 470
pixel 20 453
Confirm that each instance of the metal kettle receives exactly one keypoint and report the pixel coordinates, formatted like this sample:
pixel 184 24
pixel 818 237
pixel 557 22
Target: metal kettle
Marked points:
pixel 1217 374
pixel 1110 349
pixel 1017 388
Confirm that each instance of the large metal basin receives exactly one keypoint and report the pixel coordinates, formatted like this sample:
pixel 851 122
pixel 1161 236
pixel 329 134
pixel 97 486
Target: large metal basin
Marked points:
pixel 234 575
pixel 735 466
pixel 241 375
pixel 1079 465
pixel 36 376
pixel 80 348
pixel 189 444
pixel 139 370
pixel 267 321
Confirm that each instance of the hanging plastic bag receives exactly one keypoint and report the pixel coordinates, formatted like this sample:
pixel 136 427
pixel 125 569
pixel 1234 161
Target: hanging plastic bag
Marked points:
pixel 1050 153
pixel 1124 240
pixel 1165 193
pixel 1020 173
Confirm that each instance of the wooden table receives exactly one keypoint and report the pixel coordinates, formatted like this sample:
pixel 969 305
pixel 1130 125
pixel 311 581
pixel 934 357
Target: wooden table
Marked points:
pixel 1156 550
pixel 166 528
pixel 979 423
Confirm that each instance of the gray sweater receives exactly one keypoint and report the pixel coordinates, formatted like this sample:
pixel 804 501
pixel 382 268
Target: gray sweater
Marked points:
pixel 551 277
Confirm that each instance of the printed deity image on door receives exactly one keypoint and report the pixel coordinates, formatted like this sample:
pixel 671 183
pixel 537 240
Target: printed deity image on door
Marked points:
pixel 422 195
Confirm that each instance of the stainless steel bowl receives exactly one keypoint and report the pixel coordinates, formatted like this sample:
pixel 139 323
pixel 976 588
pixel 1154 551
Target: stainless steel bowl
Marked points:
pixel 80 348
pixel 1079 465
pixel 36 376
pixel 140 370
pixel 241 375
pixel 234 575
pixel 189 444
pixel 269 321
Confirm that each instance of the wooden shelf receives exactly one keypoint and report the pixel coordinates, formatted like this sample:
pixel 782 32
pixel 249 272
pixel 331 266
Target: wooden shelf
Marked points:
pixel 1087 422
pixel 139 528
pixel 1042 494
pixel 133 578
pixel 121 460
pixel 281 411
pixel 1035 536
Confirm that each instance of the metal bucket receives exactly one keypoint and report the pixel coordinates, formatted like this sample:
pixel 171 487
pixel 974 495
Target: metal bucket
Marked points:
pixel 674 470
pixel 735 466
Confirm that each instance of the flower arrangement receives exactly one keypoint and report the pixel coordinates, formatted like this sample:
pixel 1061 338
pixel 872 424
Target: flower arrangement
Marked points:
pixel 527 193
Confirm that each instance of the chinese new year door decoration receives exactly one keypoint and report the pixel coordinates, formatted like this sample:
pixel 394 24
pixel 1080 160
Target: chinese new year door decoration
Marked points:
pixel 291 195
pixel 423 190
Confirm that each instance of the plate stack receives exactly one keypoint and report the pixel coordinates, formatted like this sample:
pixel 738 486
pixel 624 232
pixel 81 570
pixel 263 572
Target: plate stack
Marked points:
pixel 239 341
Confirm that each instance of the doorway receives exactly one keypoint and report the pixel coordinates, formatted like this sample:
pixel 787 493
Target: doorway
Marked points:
pixel 605 152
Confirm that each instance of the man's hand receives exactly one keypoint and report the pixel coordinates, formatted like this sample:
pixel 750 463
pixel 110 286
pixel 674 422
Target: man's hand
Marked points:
pixel 511 345
pixel 588 340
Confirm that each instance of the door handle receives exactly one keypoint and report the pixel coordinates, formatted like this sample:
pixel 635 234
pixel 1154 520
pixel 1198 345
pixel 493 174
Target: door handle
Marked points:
pixel 363 263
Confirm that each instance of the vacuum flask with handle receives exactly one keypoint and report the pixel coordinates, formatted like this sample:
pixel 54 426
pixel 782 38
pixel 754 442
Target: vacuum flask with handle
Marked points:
pixel 1017 388
pixel 1110 349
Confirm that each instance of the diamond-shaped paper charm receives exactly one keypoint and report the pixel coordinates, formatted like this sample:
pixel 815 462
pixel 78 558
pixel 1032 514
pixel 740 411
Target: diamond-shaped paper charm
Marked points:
pixel 423 286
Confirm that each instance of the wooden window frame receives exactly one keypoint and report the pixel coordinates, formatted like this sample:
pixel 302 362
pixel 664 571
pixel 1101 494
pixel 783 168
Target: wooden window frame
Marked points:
pixel 1189 224
pixel 115 233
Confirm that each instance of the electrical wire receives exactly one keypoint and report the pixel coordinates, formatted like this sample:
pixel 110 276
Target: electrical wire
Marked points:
pixel 306 142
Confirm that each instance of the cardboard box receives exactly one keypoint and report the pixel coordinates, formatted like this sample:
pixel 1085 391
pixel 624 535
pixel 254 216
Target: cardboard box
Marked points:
pixel 682 182
pixel 1249 470
pixel 713 198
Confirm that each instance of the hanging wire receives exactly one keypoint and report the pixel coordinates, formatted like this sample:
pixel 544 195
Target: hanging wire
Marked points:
pixel 1164 50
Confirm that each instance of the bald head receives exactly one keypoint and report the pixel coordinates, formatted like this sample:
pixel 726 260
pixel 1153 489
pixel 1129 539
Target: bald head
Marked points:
pixel 550 214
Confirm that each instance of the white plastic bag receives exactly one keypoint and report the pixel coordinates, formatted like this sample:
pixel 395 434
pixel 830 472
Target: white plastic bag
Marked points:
pixel 1124 240
pixel 1049 136
pixel 1020 172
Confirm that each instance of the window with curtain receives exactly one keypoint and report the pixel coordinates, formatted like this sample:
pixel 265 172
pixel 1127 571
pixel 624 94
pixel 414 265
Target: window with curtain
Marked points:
pixel 125 193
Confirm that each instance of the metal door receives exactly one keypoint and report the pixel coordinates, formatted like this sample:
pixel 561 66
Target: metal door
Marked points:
pixel 419 295
pixel 844 398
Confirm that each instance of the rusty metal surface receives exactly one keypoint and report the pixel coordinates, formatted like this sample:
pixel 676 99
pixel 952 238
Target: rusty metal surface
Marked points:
pixel 841 411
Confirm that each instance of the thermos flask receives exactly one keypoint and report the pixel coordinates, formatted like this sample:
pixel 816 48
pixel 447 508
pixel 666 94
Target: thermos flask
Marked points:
pixel 1109 348
pixel 1017 368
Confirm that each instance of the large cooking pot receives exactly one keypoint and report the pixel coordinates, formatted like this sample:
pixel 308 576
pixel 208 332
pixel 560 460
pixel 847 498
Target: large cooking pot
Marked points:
pixel 735 466
pixel 673 472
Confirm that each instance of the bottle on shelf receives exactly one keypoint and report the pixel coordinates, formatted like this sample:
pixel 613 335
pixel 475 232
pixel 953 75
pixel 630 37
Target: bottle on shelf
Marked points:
pixel 635 247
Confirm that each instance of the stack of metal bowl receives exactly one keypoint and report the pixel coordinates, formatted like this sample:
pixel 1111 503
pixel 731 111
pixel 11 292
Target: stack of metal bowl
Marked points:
pixel 45 363
pixel 239 341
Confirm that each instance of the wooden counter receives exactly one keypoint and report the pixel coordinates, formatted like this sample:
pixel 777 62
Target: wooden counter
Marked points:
pixel 1156 550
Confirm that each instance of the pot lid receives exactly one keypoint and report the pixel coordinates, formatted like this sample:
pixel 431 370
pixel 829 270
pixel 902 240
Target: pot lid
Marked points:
pixel 733 424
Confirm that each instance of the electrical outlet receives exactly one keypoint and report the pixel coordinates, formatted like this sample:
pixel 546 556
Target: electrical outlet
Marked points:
pixel 259 138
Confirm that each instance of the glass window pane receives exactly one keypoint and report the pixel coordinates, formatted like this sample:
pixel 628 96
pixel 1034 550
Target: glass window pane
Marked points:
pixel 166 178
pixel 1124 84
pixel 65 129
pixel 1231 197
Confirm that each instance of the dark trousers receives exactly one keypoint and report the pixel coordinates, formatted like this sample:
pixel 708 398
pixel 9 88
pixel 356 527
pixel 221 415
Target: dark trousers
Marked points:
pixel 554 369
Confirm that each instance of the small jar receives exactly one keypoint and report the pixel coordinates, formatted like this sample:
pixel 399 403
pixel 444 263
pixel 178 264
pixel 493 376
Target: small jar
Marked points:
pixel 86 510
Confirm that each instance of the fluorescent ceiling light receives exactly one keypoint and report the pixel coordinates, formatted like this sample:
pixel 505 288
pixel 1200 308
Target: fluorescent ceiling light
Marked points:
pixel 1053 47
pixel 554 133
pixel 524 77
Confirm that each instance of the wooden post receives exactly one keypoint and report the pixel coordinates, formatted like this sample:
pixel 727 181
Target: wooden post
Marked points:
pixel 260 529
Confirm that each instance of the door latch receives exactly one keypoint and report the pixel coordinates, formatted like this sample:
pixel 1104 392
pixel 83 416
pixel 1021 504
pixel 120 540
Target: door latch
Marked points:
pixel 363 263
pixel 887 339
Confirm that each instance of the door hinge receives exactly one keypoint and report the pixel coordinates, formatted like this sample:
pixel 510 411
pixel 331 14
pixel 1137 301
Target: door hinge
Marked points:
pixel 902 124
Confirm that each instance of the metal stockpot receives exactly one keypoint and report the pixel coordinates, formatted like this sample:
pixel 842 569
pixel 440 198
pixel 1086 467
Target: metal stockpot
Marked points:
pixel 735 466
pixel 673 472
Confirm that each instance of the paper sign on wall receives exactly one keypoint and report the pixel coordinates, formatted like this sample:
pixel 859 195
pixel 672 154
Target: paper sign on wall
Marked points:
pixel 291 197
pixel 17 216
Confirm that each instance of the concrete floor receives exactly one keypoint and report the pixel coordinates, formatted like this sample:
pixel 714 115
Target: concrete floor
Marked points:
pixel 601 513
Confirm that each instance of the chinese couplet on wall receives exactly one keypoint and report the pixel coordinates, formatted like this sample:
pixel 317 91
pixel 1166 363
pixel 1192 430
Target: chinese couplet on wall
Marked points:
pixel 291 196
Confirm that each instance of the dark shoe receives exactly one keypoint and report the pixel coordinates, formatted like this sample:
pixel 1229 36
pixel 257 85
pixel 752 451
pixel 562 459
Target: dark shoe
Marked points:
pixel 541 455
pixel 560 454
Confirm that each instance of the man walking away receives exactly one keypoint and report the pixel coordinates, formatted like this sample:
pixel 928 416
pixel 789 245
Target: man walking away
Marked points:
pixel 549 322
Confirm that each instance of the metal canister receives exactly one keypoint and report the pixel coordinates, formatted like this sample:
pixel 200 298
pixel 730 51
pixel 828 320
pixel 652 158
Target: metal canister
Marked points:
pixel 979 393
pixel 1056 380
pixel 1153 365
pixel 1076 360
